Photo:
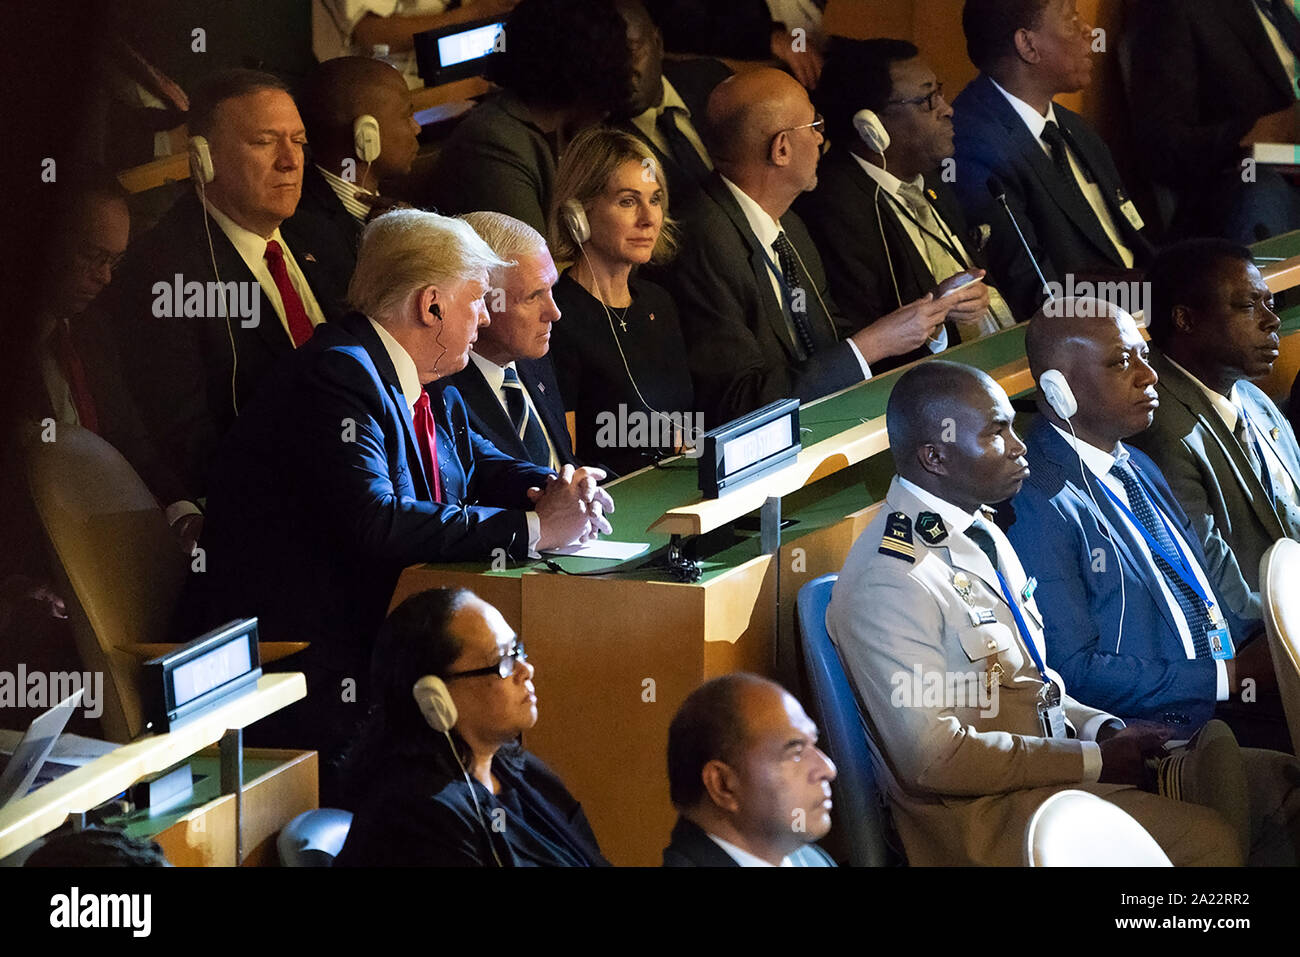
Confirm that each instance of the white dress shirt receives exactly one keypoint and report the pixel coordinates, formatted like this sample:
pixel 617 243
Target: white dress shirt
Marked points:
pixel 1099 463
pixel 347 194
pixel 408 378
pixel 1091 191
pixel 890 183
pixel 1229 408
pixel 743 857
pixel 766 229
pixel 496 377
pixel 252 250
pixel 647 123
pixel 958 522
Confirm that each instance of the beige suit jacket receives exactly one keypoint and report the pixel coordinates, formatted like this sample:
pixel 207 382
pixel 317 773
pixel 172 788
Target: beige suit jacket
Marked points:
pixel 964 768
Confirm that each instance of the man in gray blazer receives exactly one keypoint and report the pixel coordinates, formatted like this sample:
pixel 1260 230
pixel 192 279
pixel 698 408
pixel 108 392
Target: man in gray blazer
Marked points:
pixel 1229 454
pixel 937 625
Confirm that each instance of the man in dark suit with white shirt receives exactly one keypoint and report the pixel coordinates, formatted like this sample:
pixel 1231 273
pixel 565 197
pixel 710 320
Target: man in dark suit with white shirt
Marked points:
pixel 759 321
pixel 194 360
pixel 509 384
pixel 750 785
pixel 886 222
pixel 667 104
pixel 358 460
pixel 1060 180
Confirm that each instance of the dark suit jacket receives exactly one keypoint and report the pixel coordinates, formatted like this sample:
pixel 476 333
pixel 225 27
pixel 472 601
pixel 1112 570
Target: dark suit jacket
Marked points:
pixel 691 846
pixel 693 79
pixel 421 813
pixel 180 368
pixel 1208 470
pixel 1058 224
pixel 1058 536
pixel 322 225
pixel 489 419
pixel 841 214
pixel 320 499
pixel 741 350
pixel 1203 71
pixel 496 159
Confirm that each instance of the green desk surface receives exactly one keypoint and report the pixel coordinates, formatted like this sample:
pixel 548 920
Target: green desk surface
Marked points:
pixel 207 767
pixel 643 497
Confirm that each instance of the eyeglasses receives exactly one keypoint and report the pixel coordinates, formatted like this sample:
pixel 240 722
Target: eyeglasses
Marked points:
pixel 92 257
pixel 928 99
pixel 502 669
pixel 818 124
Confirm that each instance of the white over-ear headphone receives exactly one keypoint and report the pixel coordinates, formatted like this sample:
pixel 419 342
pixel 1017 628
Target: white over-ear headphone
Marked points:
pixel 574 218
pixel 439 711
pixel 872 131
pixel 1056 390
pixel 365 138
pixel 200 160
pixel 435 703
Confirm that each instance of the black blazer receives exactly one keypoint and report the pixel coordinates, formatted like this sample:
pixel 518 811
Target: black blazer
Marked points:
pixel 1058 224
pixel 841 214
pixel 421 813
pixel 489 419
pixel 691 846
pixel 741 350
pixel 1203 71
pixel 319 500
pixel 180 368
pixel 496 159
pixel 322 225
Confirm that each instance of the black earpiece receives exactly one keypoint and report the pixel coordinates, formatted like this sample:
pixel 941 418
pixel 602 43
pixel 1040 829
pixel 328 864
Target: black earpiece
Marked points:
pixel 435 310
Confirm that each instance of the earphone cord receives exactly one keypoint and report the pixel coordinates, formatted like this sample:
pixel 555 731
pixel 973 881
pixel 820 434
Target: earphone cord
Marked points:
pixel 690 435
pixel 230 332
pixel 889 257
pixel 1123 597
pixel 478 811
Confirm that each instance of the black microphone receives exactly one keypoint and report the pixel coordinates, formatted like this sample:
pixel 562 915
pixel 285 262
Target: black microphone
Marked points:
pixel 1000 195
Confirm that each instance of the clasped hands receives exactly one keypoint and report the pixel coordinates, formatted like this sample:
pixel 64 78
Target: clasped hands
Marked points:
pixel 571 508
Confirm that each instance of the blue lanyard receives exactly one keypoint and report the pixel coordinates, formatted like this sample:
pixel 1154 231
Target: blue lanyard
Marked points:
pixel 1024 630
pixel 1183 569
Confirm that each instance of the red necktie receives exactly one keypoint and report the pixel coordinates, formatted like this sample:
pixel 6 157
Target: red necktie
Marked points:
pixel 427 435
pixel 75 374
pixel 300 327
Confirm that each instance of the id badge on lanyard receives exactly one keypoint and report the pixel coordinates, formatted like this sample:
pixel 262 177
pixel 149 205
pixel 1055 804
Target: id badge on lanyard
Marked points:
pixel 1051 715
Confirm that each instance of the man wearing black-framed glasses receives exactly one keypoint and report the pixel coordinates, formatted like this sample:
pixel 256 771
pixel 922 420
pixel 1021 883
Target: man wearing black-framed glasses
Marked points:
pixel 889 227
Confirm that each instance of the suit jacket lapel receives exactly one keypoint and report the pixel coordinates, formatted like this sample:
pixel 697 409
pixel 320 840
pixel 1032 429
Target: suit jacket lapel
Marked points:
pixel 1115 527
pixel 1244 21
pixel 359 325
pixel 479 396
pixel 758 260
pixel 1071 202
pixel 545 392
pixel 1182 388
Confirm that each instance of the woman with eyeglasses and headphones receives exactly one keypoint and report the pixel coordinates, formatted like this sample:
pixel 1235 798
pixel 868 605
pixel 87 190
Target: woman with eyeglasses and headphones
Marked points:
pixel 618 350
pixel 438 775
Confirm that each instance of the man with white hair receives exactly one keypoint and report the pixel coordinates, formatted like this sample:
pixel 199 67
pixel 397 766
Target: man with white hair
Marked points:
pixel 358 460
pixel 509 385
